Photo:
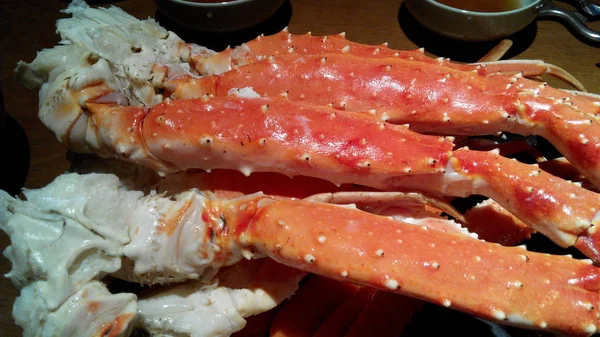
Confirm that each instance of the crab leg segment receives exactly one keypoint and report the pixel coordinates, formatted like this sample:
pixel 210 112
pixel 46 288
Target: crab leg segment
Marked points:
pixel 562 216
pixel 506 230
pixel 391 87
pixel 271 134
pixel 285 43
pixel 262 134
pixel 529 68
pixel 506 284
pixel 394 87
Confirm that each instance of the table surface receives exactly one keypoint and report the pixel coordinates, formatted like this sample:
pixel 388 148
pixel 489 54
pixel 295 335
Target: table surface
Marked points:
pixel 28 26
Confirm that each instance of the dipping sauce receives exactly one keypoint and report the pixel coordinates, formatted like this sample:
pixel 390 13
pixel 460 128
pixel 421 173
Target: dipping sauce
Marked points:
pixel 483 5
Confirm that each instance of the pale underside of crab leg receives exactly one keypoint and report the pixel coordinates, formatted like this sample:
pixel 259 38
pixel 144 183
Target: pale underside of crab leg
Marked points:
pixel 398 203
pixel 90 311
pixel 488 220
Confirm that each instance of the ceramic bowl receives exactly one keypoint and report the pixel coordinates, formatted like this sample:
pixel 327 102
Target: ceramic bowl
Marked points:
pixel 473 26
pixel 225 16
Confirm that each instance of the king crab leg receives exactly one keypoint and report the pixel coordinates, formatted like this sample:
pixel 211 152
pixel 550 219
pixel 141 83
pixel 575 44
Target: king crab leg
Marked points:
pixel 402 273
pixel 506 284
pixel 285 43
pixel 149 315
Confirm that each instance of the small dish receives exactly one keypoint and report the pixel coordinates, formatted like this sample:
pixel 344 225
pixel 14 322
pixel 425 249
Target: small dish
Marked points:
pixel 473 26
pixel 224 16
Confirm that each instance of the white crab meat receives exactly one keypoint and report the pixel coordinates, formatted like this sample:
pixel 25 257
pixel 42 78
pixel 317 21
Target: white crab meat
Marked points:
pixel 55 261
pixel 109 45
pixel 197 309
pixel 91 311
pixel 181 309
pixel 57 252
pixel 161 251
pixel 79 228
pixel 101 205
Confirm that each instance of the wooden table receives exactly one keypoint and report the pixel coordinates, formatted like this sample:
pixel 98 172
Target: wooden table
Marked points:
pixel 28 26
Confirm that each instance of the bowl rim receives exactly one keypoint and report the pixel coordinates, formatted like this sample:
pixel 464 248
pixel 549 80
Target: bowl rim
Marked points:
pixel 223 3
pixel 474 13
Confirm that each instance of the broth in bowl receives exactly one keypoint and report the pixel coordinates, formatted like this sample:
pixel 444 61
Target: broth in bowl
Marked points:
pixel 475 20
pixel 487 6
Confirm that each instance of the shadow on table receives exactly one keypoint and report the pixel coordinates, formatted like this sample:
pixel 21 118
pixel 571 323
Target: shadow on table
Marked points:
pixel 220 40
pixel 457 50
pixel 16 153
